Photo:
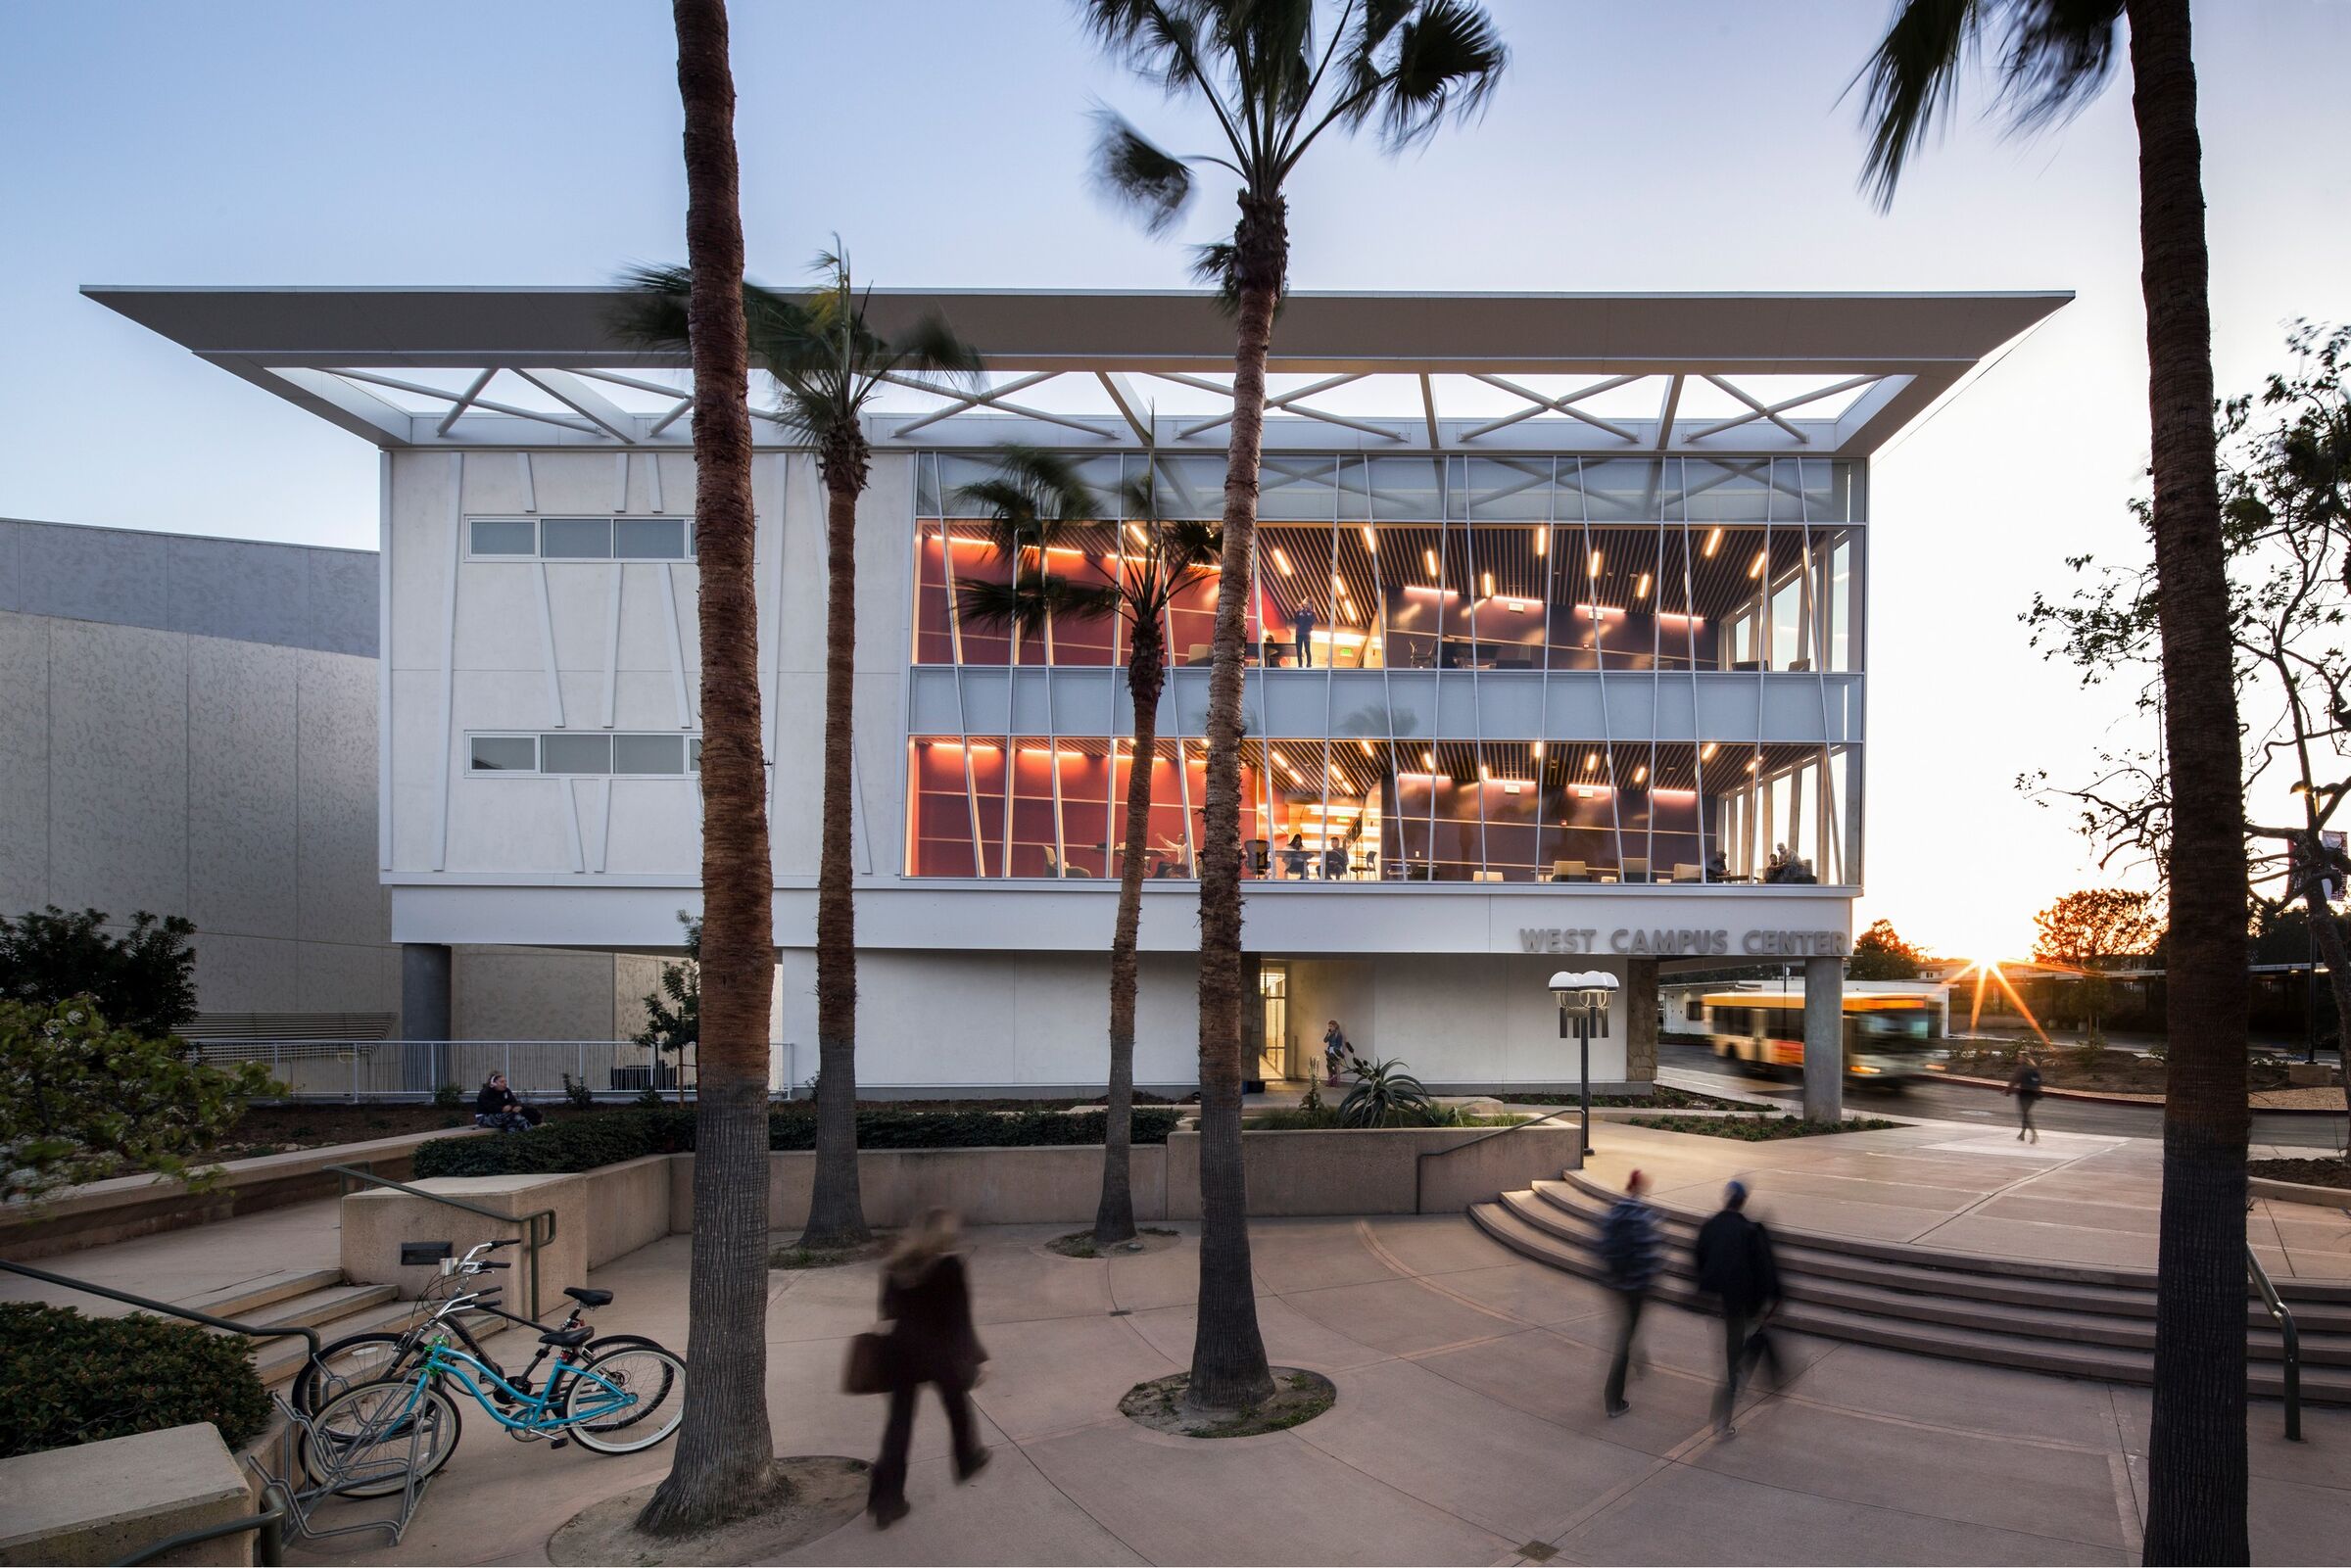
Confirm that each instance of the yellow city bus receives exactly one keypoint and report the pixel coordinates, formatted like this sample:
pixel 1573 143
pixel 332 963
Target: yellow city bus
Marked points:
pixel 1886 1038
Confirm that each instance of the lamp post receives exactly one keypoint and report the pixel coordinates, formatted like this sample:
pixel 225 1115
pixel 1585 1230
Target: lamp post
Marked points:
pixel 1585 993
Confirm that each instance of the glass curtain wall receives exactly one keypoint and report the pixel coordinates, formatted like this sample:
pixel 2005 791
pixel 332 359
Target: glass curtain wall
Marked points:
pixel 1503 568
pixel 1356 810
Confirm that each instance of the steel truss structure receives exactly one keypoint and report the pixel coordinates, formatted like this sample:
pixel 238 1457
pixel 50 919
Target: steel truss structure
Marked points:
pixel 1495 374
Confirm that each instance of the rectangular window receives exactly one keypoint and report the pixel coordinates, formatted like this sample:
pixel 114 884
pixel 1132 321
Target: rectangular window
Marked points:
pixel 506 535
pixel 649 538
pixel 575 753
pixel 505 753
pixel 649 753
pixel 576 539
pixel 660 754
pixel 579 539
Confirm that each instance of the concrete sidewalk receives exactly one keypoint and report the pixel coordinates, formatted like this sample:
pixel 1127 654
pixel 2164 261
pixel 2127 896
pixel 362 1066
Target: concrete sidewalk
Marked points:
pixel 2071 1198
pixel 1468 1429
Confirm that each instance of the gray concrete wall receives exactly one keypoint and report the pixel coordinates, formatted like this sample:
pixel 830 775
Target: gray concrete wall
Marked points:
pixel 189 726
pixel 233 782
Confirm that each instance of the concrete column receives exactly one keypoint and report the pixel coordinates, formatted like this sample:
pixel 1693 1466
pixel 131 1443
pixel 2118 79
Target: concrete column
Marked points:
pixel 1824 1039
pixel 1641 1021
pixel 424 1011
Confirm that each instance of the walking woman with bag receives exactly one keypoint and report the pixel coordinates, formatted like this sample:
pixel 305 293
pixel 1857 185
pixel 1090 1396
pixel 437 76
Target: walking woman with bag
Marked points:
pixel 927 1301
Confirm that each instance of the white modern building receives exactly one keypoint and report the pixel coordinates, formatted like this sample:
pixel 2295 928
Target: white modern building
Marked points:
pixel 1559 633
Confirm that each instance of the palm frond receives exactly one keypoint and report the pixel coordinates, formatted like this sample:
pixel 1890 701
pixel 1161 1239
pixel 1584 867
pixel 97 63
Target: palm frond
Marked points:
pixel 654 314
pixel 1908 84
pixel 1134 172
pixel 2058 55
pixel 2055 57
pixel 1031 601
pixel 1448 60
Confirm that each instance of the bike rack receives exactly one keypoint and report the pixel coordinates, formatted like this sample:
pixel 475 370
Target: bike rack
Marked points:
pixel 533 1237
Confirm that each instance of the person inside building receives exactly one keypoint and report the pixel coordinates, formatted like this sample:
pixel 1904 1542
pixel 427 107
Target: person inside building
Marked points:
pixel 498 1105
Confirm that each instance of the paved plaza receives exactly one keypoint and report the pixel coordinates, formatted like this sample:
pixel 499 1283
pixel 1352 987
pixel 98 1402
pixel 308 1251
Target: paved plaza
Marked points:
pixel 1468 1424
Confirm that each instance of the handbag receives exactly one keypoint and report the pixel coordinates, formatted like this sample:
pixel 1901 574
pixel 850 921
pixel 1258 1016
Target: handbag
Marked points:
pixel 866 1370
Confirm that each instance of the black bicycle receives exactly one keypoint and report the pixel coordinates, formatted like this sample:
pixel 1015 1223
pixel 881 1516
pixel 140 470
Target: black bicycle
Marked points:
pixel 382 1354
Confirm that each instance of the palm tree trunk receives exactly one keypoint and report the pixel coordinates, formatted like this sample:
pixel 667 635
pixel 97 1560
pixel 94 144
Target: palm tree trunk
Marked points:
pixel 1146 673
pixel 725 1451
pixel 836 1208
pixel 1229 1353
pixel 2197 1445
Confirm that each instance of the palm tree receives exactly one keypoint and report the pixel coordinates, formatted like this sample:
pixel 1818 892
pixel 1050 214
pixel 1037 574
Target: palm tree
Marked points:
pixel 724 1453
pixel 1038 500
pixel 2056 56
pixel 1276 75
pixel 827 362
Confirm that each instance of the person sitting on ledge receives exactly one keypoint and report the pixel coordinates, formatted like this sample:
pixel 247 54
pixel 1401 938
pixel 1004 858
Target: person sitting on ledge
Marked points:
pixel 500 1108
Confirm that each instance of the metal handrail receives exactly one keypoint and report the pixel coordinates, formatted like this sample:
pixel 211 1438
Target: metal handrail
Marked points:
pixel 532 1238
pixel 1426 1155
pixel 271 1522
pixel 2284 1320
pixel 309 1336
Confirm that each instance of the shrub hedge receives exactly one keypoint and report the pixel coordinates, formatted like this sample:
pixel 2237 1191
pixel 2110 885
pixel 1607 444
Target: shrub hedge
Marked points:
pixel 583 1143
pixel 68 1379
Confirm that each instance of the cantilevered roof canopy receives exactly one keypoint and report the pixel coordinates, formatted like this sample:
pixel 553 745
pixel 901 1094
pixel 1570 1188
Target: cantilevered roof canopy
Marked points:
pixel 1832 375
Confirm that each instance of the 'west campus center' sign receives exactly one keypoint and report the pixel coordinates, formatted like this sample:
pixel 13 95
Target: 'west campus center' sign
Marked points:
pixel 1648 942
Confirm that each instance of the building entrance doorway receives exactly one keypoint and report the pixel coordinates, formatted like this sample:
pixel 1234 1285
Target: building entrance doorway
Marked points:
pixel 1273 996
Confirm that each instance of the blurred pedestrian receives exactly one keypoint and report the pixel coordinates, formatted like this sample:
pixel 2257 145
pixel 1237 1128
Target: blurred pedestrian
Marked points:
pixel 1628 1248
pixel 1734 1265
pixel 927 1300
pixel 2024 1084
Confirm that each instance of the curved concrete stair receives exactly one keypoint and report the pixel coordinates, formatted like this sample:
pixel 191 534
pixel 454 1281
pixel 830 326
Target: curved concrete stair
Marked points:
pixel 2076 1321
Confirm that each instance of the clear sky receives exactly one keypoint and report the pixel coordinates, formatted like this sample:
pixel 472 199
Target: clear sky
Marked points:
pixel 1657 147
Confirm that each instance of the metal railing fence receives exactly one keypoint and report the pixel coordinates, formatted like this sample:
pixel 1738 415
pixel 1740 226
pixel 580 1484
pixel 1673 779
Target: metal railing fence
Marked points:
pixel 412 1070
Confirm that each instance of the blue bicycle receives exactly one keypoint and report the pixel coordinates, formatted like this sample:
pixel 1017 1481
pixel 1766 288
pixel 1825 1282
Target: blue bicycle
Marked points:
pixel 375 1439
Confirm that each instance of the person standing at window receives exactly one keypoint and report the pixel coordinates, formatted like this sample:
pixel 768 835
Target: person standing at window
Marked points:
pixel 1302 629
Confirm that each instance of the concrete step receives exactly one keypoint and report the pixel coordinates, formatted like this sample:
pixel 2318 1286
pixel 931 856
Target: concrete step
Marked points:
pixel 242 1300
pixel 1518 1220
pixel 1957 1275
pixel 277 1361
pixel 2083 1313
pixel 323 1309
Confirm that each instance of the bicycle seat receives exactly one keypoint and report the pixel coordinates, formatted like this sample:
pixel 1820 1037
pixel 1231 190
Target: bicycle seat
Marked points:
pixel 588 1298
pixel 567 1337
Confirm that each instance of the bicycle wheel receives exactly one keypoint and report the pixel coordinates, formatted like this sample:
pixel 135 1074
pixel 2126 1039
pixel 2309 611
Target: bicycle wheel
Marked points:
pixel 653 1380
pixel 364 1440
pixel 349 1361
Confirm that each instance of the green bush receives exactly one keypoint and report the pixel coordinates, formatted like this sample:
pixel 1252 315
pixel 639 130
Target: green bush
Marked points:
pixel 67 1379
pixel 606 1138
pixel 576 1143
pixel 968 1129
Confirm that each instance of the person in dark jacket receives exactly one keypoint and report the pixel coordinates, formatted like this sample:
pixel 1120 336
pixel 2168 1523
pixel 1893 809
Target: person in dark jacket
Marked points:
pixel 2024 1084
pixel 928 1302
pixel 500 1107
pixel 1628 1248
pixel 1736 1266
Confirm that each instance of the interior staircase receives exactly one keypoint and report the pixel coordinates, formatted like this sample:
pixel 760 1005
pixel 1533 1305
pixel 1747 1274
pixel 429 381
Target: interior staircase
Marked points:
pixel 2076 1321
pixel 320 1299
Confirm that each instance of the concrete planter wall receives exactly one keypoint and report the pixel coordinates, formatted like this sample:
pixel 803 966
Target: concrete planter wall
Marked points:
pixel 1375 1172
pixel 986 1186
pixel 115 1211
pixel 1290 1173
